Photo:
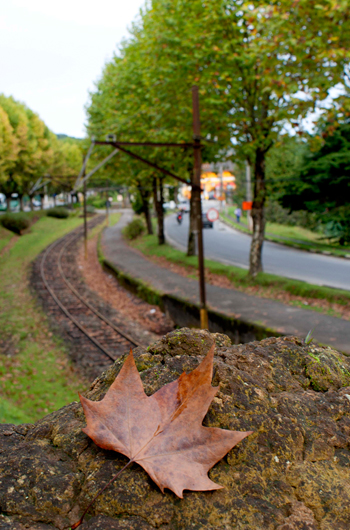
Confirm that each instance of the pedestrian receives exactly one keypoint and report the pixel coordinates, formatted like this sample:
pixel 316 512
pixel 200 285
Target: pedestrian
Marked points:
pixel 238 213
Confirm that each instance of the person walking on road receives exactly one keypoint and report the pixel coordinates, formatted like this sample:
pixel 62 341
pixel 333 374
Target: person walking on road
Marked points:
pixel 238 213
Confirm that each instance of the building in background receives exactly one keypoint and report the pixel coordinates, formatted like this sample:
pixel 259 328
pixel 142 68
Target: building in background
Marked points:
pixel 217 181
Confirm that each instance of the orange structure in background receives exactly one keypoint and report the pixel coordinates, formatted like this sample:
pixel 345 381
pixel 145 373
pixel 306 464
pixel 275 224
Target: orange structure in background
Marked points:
pixel 211 185
pixel 247 205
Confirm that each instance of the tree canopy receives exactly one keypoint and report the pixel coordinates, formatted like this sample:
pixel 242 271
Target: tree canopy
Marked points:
pixel 258 65
pixel 322 183
pixel 29 150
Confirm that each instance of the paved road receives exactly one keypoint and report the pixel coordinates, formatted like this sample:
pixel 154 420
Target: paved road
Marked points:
pixel 229 246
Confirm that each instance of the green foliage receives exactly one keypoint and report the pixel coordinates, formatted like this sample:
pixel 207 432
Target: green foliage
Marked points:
pixel 275 213
pixel 251 62
pixel 29 150
pixel 324 175
pixel 137 204
pixel 39 377
pixel 97 201
pixel 283 163
pixel 134 229
pixel 16 222
pixel 322 185
pixel 309 339
pixel 239 277
pixel 59 212
pixel 337 225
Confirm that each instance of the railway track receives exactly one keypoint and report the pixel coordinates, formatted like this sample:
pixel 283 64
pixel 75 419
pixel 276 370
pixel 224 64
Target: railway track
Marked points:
pixel 100 338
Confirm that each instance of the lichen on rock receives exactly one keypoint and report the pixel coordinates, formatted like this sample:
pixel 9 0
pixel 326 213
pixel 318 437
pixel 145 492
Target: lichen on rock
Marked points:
pixel 291 474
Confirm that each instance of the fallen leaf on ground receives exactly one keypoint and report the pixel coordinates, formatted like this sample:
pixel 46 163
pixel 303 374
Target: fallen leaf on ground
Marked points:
pixel 163 432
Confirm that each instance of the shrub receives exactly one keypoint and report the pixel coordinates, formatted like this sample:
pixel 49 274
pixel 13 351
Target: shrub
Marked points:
pixel 336 225
pixel 134 229
pixel 97 202
pixel 275 213
pixel 90 209
pixel 16 222
pixel 59 212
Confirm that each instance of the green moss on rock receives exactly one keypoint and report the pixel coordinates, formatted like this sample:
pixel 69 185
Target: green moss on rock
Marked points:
pixel 291 473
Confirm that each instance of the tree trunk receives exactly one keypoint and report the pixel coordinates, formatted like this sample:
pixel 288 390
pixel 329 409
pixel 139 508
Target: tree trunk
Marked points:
pixel 258 215
pixel 31 202
pixel 8 202
pixel 158 206
pixel 147 213
pixel 21 203
pixel 42 195
pixel 54 200
pixel 145 207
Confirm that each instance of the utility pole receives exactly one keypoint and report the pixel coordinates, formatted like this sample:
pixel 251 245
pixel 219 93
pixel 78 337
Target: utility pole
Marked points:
pixel 196 190
pixel 85 220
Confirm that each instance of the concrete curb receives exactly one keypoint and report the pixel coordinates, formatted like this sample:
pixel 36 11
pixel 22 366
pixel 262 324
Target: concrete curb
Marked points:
pixel 242 316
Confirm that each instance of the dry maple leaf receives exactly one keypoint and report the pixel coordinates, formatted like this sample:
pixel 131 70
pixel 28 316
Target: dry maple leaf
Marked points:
pixel 163 432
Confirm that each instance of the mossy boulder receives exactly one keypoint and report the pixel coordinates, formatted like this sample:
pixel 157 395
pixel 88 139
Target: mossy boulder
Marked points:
pixel 293 473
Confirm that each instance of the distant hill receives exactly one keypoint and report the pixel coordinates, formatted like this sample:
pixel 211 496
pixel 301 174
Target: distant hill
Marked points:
pixel 66 137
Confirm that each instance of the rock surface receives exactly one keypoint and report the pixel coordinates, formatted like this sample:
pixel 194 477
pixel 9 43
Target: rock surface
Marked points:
pixel 293 473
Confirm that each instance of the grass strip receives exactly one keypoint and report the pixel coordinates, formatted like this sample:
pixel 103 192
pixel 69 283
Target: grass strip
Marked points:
pixel 291 236
pixel 239 277
pixel 5 237
pixel 113 219
pixel 36 376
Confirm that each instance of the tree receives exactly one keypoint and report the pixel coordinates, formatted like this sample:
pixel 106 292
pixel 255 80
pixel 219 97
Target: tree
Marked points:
pixel 264 63
pixel 8 153
pixel 134 104
pixel 283 163
pixel 66 163
pixel 322 184
pixel 34 150
pixel 259 65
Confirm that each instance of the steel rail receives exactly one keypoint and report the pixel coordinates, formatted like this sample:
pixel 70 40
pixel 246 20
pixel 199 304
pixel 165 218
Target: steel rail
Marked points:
pixel 65 310
pixel 84 301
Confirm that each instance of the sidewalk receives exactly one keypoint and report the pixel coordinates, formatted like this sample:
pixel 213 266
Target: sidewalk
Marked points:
pixel 274 316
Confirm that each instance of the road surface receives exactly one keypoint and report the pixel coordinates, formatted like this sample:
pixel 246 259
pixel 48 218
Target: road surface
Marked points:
pixel 230 246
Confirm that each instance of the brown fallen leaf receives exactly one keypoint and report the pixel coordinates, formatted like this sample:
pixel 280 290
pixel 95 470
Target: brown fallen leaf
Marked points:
pixel 163 432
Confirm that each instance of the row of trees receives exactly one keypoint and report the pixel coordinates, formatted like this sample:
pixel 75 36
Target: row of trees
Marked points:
pixel 321 183
pixel 29 150
pixel 259 65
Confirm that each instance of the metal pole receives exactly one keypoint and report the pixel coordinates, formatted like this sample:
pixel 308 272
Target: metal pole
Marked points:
pixel 82 171
pixel 196 190
pixel 86 177
pixel 85 220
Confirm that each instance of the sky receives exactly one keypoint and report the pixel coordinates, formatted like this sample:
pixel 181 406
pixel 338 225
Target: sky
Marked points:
pixel 52 53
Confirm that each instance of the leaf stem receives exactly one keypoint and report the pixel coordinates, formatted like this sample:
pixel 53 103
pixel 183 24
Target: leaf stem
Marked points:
pixel 75 525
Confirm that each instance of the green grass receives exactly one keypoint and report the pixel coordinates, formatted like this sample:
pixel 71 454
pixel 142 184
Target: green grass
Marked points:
pixel 288 235
pixel 36 376
pixel 239 277
pixel 5 237
pixel 113 219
